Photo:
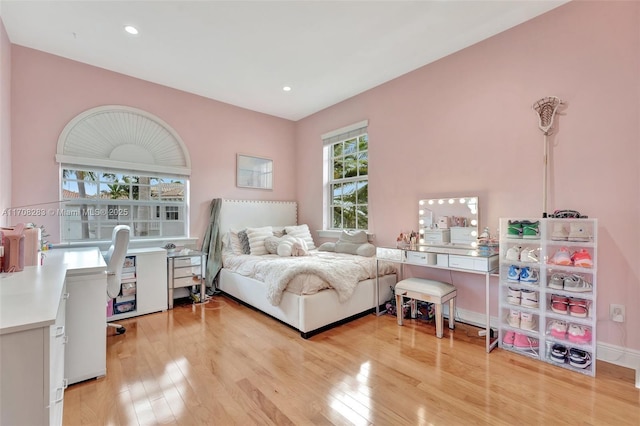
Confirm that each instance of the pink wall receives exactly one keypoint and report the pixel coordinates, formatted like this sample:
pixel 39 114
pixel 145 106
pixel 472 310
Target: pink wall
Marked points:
pixel 48 91
pixel 5 123
pixel 464 125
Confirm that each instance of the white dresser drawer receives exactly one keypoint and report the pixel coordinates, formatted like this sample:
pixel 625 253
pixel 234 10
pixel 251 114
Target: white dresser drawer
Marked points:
pixel 437 236
pixel 482 264
pixel 418 258
pixel 463 235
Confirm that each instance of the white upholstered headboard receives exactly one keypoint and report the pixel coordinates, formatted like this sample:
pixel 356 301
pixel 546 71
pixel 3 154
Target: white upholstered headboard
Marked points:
pixel 239 214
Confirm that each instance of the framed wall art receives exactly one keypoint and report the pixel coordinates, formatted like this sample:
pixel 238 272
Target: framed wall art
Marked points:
pixel 254 172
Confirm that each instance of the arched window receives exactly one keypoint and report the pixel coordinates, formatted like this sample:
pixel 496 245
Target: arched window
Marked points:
pixel 121 165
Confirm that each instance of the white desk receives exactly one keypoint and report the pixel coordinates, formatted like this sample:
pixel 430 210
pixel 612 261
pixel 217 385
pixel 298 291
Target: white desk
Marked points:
pixel 451 259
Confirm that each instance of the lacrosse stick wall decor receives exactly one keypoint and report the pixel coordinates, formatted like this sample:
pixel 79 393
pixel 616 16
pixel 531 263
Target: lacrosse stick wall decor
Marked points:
pixel 546 109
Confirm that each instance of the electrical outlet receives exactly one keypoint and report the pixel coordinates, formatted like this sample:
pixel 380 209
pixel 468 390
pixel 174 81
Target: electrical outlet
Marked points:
pixel 616 312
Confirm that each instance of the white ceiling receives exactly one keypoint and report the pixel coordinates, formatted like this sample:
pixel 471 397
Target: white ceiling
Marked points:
pixel 244 52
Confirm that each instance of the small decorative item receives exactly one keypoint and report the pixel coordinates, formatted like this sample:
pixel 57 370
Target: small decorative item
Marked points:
pixel 407 239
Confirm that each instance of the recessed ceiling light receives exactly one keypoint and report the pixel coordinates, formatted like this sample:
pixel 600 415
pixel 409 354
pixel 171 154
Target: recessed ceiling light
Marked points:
pixel 286 88
pixel 131 29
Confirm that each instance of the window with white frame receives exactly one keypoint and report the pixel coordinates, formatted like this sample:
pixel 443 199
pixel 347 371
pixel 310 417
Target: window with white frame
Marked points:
pixel 347 185
pixel 95 201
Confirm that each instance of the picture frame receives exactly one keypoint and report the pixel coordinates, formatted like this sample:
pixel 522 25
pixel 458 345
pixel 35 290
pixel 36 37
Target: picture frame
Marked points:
pixel 254 172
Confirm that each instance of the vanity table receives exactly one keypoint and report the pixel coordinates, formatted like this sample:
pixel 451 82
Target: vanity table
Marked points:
pixel 448 235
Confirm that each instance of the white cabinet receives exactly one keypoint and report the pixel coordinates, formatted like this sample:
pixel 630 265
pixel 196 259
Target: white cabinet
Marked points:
pixel 144 284
pixel 548 289
pixel 32 347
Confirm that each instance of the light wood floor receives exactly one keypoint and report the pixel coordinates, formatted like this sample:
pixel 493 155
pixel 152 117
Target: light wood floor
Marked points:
pixel 223 363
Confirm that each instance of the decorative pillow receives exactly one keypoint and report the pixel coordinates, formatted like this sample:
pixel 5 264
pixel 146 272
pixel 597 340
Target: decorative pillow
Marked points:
pixel 291 246
pixel 244 242
pixel 356 237
pixel 353 242
pixel 301 231
pixel 256 239
pixel 271 244
pixel 278 231
pixel 234 241
pixel 327 247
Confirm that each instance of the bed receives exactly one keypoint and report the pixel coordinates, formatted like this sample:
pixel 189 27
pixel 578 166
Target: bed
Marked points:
pixel 308 313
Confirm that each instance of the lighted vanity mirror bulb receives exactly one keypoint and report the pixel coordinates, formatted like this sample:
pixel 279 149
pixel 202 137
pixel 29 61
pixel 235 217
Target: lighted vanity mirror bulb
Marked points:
pixel 421 212
pixel 451 201
pixel 462 201
pixel 421 240
pixel 421 202
pixel 421 221
pixel 474 234
pixel 474 244
pixel 430 202
pixel 440 201
pixel 474 222
pixel 421 231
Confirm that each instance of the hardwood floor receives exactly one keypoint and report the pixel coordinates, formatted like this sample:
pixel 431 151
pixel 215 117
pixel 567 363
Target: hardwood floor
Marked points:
pixel 222 363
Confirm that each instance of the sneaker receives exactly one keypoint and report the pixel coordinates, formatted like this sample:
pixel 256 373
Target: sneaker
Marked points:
pixel 577 284
pixel 557 281
pixel 558 329
pixel 579 358
pixel 513 253
pixel 582 258
pixel 529 275
pixel 578 232
pixel 525 343
pixel 559 232
pixel 514 229
pixel 578 308
pixel 513 296
pixel 558 354
pixel 513 274
pixel 559 304
pixel 579 334
pixel 513 319
pixel 529 255
pixel 528 321
pixel 507 340
pixel 529 298
pixel 530 230
pixel 561 257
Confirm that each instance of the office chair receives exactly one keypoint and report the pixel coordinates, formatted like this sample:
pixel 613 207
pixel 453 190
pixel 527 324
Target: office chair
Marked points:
pixel 115 261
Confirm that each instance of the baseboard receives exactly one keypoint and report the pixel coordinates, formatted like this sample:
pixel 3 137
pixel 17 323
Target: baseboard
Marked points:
pixel 606 352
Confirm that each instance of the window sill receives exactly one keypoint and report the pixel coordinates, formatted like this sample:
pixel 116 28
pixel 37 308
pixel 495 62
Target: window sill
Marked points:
pixel 335 234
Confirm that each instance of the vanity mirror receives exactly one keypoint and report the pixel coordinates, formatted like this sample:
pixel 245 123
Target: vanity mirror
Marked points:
pixel 448 221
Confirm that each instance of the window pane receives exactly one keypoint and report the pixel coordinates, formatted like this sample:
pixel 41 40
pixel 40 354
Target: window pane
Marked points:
pixel 362 192
pixel 336 191
pixel 363 217
pixel 337 217
pixel 350 166
pixel 349 192
pixel 338 168
pixel 337 150
pixel 363 164
pixel 349 217
pixel 350 146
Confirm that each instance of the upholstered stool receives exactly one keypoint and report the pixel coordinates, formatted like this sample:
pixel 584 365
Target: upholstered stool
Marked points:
pixel 431 291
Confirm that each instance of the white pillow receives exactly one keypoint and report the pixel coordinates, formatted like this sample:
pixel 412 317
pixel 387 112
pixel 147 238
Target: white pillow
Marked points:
pixel 234 241
pixel 256 239
pixel 301 231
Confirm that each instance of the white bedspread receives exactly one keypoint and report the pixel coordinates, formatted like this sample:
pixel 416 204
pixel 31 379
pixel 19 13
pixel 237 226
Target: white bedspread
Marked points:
pixel 307 274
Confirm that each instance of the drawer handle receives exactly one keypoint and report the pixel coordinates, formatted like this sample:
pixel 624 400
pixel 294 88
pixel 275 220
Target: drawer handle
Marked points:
pixel 65 384
pixel 59 331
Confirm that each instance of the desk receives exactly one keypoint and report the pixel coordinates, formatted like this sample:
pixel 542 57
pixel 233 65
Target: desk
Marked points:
pixel 451 259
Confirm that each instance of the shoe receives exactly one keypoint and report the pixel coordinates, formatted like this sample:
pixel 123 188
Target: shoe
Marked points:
pixel 577 284
pixel 528 321
pixel 578 308
pixel 529 255
pixel 579 334
pixel 579 358
pixel 529 275
pixel 507 340
pixel 530 230
pixel 557 281
pixel 528 299
pixel 559 304
pixel 582 258
pixel 513 253
pixel 578 232
pixel 513 274
pixel 561 257
pixel 559 232
pixel 513 319
pixel 525 343
pixel 558 354
pixel 514 229
pixel 513 296
pixel 558 329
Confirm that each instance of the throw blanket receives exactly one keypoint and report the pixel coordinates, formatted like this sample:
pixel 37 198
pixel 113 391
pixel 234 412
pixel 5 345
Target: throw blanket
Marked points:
pixel 339 271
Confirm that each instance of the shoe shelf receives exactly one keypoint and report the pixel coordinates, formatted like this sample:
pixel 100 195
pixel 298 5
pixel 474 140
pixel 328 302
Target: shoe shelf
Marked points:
pixel 547 295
